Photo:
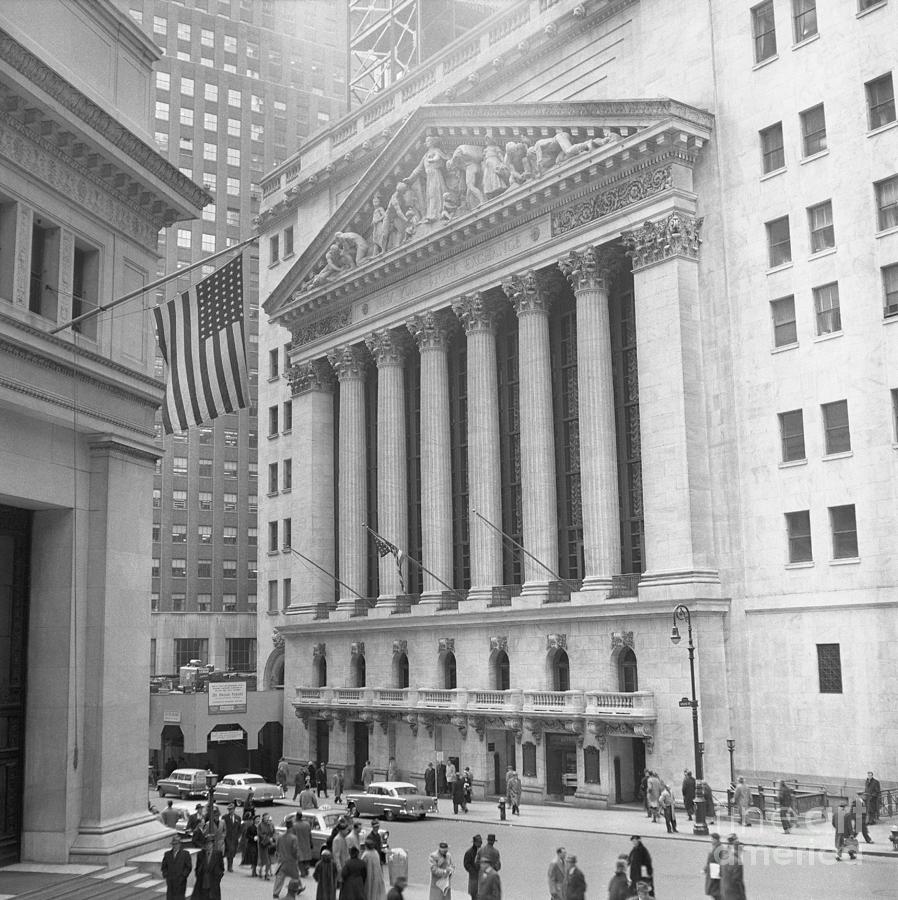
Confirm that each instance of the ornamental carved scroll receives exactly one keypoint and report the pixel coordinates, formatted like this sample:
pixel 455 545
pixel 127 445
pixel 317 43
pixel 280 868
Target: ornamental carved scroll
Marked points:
pixel 678 234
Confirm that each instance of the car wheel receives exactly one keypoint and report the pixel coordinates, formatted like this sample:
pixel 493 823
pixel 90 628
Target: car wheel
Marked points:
pixel 423 816
pixel 389 815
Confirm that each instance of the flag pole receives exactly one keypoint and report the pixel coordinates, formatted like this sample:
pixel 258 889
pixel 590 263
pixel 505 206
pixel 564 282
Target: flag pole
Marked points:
pixel 539 562
pixel 329 574
pixel 149 287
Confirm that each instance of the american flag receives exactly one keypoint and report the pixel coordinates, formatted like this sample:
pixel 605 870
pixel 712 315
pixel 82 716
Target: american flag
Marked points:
pixel 385 547
pixel 202 338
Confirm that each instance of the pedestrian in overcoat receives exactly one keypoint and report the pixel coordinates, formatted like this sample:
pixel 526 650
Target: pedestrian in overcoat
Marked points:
pixel 303 831
pixel 784 799
pixel 471 866
pixel 712 868
pixel 326 875
pixel 513 791
pixel 653 790
pixel 556 874
pixel 575 881
pixel 688 793
pixel 353 877
pixel 640 862
pixel 288 862
pixel 441 869
pixel 742 800
pixel 619 887
pixel 732 875
pixel 209 872
pixel 490 885
pixel 430 780
pixel 176 868
pixel 232 835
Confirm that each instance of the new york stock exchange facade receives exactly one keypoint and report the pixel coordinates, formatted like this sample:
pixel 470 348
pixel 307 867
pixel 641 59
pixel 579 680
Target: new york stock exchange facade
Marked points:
pixel 499 320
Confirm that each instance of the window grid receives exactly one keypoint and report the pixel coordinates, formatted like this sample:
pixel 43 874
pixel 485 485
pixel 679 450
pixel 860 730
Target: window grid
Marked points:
pixel 820 222
pixel 772 150
pixel 798 529
pixel 844 530
pixel 763 31
pixel 890 289
pixel 836 427
pixel 827 309
pixel 779 242
pixel 804 17
pixel 792 435
pixel 813 130
pixel 881 101
pixel 829 668
pixel 785 331
pixel 887 202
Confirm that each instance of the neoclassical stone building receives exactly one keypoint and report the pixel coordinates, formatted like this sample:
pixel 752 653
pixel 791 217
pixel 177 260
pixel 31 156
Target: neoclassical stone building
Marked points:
pixel 550 343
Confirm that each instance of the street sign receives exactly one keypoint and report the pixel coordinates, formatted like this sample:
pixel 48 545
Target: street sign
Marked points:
pixel 234 734
pixel 226 697
pixel 685 702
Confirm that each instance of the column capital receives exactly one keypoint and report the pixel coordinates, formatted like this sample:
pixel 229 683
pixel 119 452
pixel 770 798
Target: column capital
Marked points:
pixel 677 234
pixel 431 330
pixel 526 294
pixel 349 362
pixel 476 313
pixel 388 346
pixel 315 375
pixel 587 269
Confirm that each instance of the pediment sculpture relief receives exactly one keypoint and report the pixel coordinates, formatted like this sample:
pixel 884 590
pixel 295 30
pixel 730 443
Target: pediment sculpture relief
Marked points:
pixel 446 183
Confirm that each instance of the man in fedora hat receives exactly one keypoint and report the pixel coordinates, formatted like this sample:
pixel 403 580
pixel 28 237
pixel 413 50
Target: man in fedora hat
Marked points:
pixel 489 853
pixel 575 881
pixel 471 866
pixel 441 869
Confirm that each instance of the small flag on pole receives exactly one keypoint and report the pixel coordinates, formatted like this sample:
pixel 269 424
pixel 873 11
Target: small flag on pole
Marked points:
pixel 384 547
pixel 202 338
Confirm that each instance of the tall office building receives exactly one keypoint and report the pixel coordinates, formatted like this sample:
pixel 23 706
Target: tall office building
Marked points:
pixel 240 86
pixel 621 284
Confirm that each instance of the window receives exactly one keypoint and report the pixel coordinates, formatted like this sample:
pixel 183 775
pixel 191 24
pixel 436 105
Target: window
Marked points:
pixel 252 537
pixel 163 81
pixel 274 249
pixel 211 93
pixel 880 101
pixel 591 765
pixel 230 43
pixel 256 132
pixel 253 502
pixel 792 435
pixel 231 438
pixel 252 469
pixel 154 601
pixel 204 602
pixel 160 25
pixel 287 529
pixel 829 668
pixel 230 502
pixel 272 420
pixel 887 202
pixel 205 499
pixel 229 568
pixel 273 358
pixel 178 601
pixel 890 289
pixel 820 222
pixel 826 308
pixel 779 242
pixel 233 216
pixel 210 121
pixel 288 415
pixel 229 602
pixel 210 151
pixel 233 156
pixel 251 602
pixel 798 529
pixel 804 18
pixel 179 534
pixel 288 241
pixel 184 237
pixel 868 4
pixel 528 759
pixel 234 186
pixel 209 212
pixel 764 31
pixel 179 499
pixel 813 130
pixel 835 427
pixel 187 649
pixel 895 414
pixel 205 435
pixel 234 127
pixel 157 532
pixel 179 465
pixel 210 181
pixel 204 568
pixel 157 498
pixel 207 37
pixel 162 136
pixel 784 328
pixel 162 111
pixel 204 532
pixel 187 87
pixel 241 654
pixel 287 474
pixel 186 116
pixel 844 529
pixel 183 31
pixel 229 535
pixel 272 537
pixel 272 596
pixel 252 571
pixel 230 468
pixel 179 568
pixel 272 478
pixel 256 103
pixel 288 595
pixel 234 98
pixel 154 569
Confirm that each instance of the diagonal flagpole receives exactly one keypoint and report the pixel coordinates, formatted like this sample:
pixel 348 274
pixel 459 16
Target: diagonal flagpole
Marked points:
pixel 326 572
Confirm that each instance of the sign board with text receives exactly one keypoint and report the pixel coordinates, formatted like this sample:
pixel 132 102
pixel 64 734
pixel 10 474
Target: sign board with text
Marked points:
pixel 234 734
pixel 226 697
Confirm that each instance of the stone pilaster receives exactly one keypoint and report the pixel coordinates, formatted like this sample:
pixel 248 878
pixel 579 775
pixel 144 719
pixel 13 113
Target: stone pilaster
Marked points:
pixel 538 489
pixel 478 318
pixel 349 363
pixel 588 272
pixel 312 496
pixel 431 332
pixel 679 553
pixel 388 347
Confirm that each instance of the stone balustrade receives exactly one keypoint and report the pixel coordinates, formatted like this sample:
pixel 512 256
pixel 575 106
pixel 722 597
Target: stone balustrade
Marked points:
pixel 604 703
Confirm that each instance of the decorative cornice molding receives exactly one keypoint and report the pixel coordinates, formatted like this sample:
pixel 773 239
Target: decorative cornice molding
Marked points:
pixel 107 445
pixel 587 270
pixel 476 313
pixel 677 234
pixel 349 361
pixel 431 330
pixel 315 375
pixel 524 292
pixel 319 327
pixel 388 347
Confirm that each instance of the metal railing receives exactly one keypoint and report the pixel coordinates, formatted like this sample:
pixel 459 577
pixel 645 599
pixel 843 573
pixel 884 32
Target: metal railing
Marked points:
pixel 503 593
pixel 626 585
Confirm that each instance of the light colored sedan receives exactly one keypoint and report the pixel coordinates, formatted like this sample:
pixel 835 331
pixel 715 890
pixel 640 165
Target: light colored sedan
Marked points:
pixel 322 821
pixel 391 800
pixel 236 787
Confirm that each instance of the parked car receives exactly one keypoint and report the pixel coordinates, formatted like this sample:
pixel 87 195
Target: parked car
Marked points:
pixel 183 783
pixel 236 787
pixel 323 821
pixel 390 799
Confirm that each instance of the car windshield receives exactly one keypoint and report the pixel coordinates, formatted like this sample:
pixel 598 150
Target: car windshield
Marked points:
pixel 331 819
pixel 254 779
pixel 405 791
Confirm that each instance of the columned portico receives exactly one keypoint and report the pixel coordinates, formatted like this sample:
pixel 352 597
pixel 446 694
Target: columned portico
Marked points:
pixel 537 441
pixel 388 347
pixel 589 273
pixel 349 363
pixel 478 318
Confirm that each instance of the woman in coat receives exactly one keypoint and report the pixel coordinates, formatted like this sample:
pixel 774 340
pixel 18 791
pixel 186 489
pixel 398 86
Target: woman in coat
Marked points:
pixel 252 843
pixel 267 843
pixel 374 879
pixel 732 874
pixel 326 875
pixel 353 877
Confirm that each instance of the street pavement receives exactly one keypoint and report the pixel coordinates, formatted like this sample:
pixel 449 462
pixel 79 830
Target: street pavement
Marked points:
pixel 797 866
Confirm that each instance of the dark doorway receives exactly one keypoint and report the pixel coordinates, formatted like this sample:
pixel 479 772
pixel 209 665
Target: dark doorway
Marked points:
pixel 15 553
pixel 359 750
pixel 561 671
pixel 628 677
pixel 400 671
pixel 618 796
pixel 503 671
pixel 226 753
pixel 172 747
pixel 450 678
pixel 271 743
pixel 322 741
pixel 359 673
pixel 638 764
pixel 561 764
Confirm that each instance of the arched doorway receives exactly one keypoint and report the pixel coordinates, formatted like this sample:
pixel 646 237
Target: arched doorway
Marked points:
pixel 274 671
pixel 400 670
pixel 628 677
pixel 450 673
pixel 501 671
pixel 271 747
pixel 560 671
pixel 320 671
pixel 358 671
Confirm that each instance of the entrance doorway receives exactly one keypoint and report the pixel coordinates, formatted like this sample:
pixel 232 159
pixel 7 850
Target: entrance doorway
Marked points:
pixel 561 764
pixel 359 750
pixel 271 744
pixel 15 553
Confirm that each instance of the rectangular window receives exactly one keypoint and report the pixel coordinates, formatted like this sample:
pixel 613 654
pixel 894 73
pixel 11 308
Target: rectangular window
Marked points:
pixel 829 668
pixel 187 87
pixel 813 130
pixel 233 218
pixel 772 153
pixel 272 596
pixel 205 468
pixel 880 101
pixel 835 427
pixel 287 533
pixel 210 92
pixel 230 43
pixel 204 568
pixel 157 532
pixel 154 601
pixel 798 529
pixel 179 534
pixel 205 435
pixel 272 420
pixel 273 360
pixel 274 253
pixel 233 156
pixel 209 212
pixel 231 438
pixel 272 537
pixel 229 602
pixel 230 502
pixel 229 535
pixel 804 18
pixel 205 499
pixel 183 31
pixel 826 308
pixel 256 131
pixel 252 469
pixel 251 602
pixel 157 498
pixel 288 592
pixel 230 468
pixel 252 571
pixel 204 603
pixel 186 116
pixel 869 4
pixel 252 537
pixel 154 568
pixel 887 202
pixel 234 186
pixel 272 478
pixel 241 654
pixel 288 415
pixel 792 435
pixel 890 289
pixel 779 242
pixel 160 25
pixel 178 602
pixel 288 241
pixel 229 568
pixel 234 128
pixel 162 111
pixel 204 532
pixel 210 151
pixel 179 465
pixel 210 121
pixel 163 81
pixel 820 223
pixel 187 649
pixel 785 331
pixel 844 529
pixel 179 568
pixel 253 502
pixel 763 30
pixel 179 499
pixel 287 474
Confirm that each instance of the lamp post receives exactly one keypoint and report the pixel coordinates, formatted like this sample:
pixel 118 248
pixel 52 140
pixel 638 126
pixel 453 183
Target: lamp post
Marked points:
pixel 731 748
pixel 681 614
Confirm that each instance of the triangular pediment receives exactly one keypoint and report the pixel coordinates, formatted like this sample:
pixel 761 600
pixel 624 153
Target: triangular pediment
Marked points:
pixel 453 170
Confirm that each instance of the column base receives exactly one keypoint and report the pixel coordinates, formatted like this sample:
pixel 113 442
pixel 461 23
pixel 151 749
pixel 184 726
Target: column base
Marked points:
pixel 681 584
pixel 386 603
pixel 597 583
pixel 113 843
pixel 431 599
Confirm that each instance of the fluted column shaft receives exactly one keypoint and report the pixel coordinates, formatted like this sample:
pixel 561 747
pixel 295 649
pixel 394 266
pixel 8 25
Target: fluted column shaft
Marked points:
pixel 484 465
pixel 588 273
pixel 538 490
pixel 431 331
pixel 388 349
pixel 352 477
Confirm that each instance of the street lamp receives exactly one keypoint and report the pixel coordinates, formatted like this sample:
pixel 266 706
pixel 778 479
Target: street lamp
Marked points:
pixel 682 614
pixel 731 747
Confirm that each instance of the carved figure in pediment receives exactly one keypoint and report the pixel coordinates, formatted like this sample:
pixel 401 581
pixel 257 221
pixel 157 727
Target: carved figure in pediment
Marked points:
pixel 495 175
pixel 517 163
pixel 432 169
pixel 352 245
pixel 468 158
pixel 402 216
pixel 335 263
pixel 452 195
pixel 378 226
pixel 548 152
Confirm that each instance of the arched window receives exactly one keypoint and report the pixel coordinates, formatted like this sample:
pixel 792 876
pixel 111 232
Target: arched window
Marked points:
pixel 450 681
pixel 400 670
pixel 277 673
pixel 628 679
pixel 358 670
pixel 321 671
pixel 501 672
pixel 561 671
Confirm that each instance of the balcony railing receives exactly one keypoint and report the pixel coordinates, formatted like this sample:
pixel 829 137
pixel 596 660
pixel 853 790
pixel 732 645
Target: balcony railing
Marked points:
pixel 640 703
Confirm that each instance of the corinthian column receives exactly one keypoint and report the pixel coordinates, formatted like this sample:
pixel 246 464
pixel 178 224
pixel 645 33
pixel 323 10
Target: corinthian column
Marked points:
pixel 431 331
pixel 388 348
pixel 478 317
pixel 349 363
pixel 588 273
pixel 538 490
